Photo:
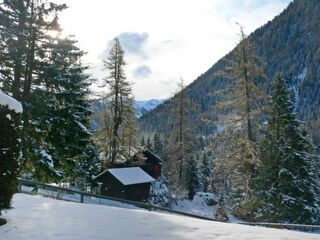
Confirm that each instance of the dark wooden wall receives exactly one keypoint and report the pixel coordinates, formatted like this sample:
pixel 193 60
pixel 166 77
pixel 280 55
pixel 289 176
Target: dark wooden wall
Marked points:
pixel 114 188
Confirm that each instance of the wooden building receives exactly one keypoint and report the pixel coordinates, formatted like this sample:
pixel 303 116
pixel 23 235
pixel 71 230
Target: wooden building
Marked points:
pixel 131 183
pixel 152 164
pixel 139 157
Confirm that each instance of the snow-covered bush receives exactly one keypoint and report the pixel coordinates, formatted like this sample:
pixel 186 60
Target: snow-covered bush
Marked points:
pixel 209 198
pixel 10 111
pixel 160 193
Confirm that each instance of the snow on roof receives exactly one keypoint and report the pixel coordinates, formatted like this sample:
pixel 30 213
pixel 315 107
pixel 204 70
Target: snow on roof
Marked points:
pixel 129 152
pixel 132 175
pixel 12 104
pixel 126 152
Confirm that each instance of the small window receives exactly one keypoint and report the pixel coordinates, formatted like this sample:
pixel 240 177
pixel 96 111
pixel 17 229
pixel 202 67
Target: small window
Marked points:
pixel 106 189
pixel 156 168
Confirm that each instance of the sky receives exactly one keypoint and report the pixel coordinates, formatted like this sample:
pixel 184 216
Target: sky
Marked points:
pixel 163 40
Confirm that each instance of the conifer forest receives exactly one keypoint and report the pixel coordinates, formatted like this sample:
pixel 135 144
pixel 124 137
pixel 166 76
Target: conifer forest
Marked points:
pixel 246 131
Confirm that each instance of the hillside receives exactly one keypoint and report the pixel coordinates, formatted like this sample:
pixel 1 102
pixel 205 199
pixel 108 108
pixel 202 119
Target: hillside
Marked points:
pixel 289 43
pixel 35 217
pixel 145 106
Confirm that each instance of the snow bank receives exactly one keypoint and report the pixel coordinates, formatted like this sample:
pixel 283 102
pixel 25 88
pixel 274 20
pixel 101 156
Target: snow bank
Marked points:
pixel 12 104
pixel 35 218
pixel 198 206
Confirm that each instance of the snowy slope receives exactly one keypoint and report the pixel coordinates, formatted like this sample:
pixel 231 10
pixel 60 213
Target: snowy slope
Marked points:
pixel 146 106
pixel 43 218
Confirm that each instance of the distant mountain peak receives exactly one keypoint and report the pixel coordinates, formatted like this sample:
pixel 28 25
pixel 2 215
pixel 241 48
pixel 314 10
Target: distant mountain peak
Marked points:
pixel 145 106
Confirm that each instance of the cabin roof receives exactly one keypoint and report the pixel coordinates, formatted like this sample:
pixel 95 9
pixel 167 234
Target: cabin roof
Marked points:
pixel 127 153
pixel 129 176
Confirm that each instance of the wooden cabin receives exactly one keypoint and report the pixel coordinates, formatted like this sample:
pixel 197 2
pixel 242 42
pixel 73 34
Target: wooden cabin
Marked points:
pixel 152 163
pixel 131 183
pixel 139 157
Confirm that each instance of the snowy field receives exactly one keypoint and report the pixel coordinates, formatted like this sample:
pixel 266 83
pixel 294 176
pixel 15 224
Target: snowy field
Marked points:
pixel 36 218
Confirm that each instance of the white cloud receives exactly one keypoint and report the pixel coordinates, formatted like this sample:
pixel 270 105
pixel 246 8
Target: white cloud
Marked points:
pixel 175 37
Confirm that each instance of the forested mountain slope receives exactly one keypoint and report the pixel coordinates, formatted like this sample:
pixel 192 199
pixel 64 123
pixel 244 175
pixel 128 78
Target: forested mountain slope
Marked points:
pixel 289 43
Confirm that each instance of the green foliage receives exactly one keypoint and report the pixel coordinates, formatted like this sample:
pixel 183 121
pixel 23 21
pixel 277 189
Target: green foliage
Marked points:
pixel 205 173
pixel 9 154
pixel 191 177
pixel 45 74
pixel 158 146
pixel 149 144
pixel 287 176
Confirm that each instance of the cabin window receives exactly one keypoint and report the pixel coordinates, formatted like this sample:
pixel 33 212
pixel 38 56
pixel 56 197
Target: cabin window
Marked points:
pixel 156 168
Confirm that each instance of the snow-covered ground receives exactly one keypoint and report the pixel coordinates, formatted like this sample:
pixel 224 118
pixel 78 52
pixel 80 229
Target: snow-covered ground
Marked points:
pixel 199 206
pixel 36 218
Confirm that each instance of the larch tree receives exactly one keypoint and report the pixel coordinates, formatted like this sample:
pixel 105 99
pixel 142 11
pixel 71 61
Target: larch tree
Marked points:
pixel 181 145
pixel 119 112
pixel 288 175
pixel 241 103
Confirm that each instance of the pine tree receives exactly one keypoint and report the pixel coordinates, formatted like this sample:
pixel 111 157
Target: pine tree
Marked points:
pixel 45 74
pixel 66 118
pixel 9 153
pixel 120 115
pixel 157 144
pixel 143 143
pixel 191 177
pixel 205 172
pixel 287 177
pixel 149 144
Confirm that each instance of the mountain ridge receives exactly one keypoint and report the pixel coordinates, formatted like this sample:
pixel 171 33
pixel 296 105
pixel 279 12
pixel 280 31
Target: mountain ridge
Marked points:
pixel 288 43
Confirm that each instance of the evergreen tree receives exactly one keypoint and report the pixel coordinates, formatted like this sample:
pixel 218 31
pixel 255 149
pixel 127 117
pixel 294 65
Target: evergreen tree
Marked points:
pixel 149 144
pixel 191 177
pixel 9 153
pixel 157 144
pixel 120 115
pixel 221 213
pixel 165 152
pixel 45 74
pixel 143 143
pixel 66 117
pixel 205 172
pixel 287 177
